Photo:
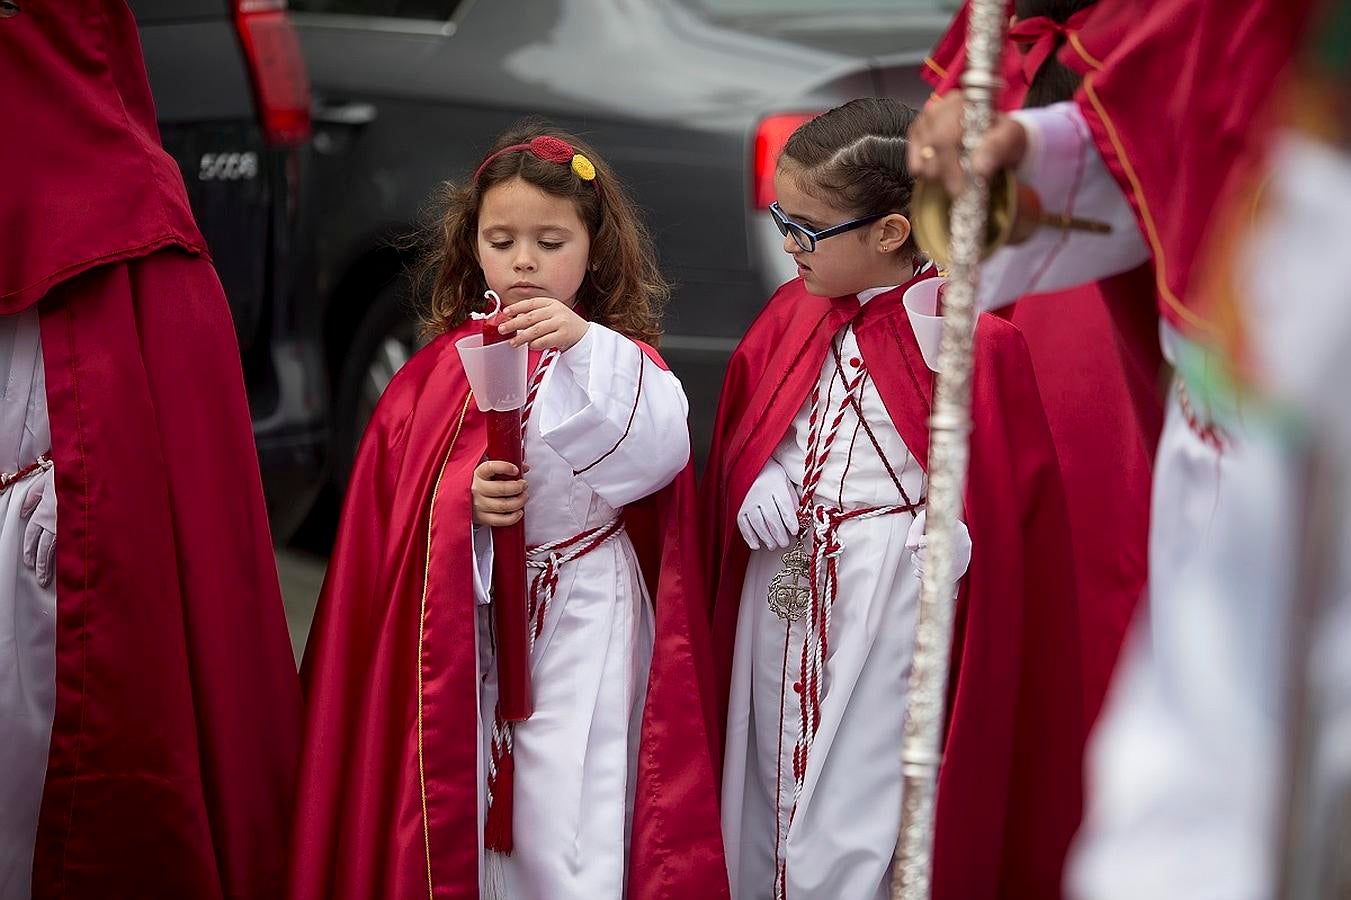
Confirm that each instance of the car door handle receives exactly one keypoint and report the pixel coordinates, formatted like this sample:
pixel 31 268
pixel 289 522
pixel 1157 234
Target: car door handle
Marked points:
pixel 352 113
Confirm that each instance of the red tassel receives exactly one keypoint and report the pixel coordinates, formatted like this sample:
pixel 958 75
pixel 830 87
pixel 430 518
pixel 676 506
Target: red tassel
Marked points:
pixel 497 824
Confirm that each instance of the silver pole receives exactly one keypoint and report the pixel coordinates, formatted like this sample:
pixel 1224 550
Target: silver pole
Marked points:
pixel 1307 858
pixel 950 426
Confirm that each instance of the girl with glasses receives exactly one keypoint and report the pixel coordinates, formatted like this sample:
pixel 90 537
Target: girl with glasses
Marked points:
pixel 815 504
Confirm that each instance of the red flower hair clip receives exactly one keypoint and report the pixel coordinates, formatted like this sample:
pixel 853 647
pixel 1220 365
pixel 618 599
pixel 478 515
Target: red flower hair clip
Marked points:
pixel 549 149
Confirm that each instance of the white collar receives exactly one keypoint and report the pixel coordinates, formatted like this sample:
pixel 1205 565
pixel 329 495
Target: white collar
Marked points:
pixel 921 302
pixel 870 293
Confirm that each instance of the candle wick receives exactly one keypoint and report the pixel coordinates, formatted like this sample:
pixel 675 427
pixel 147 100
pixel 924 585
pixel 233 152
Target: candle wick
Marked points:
pixel 496 308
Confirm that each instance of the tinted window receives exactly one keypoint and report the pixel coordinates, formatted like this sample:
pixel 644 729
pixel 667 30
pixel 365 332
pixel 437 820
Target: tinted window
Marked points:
pixel 440 10
pixel 755 7
pixel 345 7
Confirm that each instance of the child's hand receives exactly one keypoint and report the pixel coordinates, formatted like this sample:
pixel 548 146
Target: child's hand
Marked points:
pixel 542 322
pixel 917 542
pixel 497 503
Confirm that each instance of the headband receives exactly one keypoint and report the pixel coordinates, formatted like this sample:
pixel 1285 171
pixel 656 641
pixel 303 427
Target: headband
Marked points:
pixel 549 149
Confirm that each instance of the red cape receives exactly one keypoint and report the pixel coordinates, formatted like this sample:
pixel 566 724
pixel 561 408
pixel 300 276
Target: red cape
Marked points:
pixel 172 761
pixel 943 67
pixel 177 722
pixel 1176 93
pixel 1105 411
pixel 88 183
pixel 1010 787
pixel 389 785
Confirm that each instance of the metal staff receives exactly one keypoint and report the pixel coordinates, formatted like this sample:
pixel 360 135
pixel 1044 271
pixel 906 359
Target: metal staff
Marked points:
pixel 1313 849
pixel 1306 859
pixel 950 427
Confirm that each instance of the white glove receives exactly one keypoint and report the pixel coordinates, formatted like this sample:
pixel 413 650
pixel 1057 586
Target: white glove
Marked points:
pixel 768 516
pixel 917 543
pixel 39 536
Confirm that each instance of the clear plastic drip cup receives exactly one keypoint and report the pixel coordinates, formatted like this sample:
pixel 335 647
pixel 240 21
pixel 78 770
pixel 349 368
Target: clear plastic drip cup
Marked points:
pixel 496 372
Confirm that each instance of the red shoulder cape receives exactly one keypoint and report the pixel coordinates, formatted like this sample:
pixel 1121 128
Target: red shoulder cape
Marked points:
pixel 1105 411
pixel 1177 94
pixel 1010 788
pixel 389 780
pixel 89 183
pixel 943 67
pixel 177 726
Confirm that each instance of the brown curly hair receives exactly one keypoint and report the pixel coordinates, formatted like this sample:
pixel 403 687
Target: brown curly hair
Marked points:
pixel 623 288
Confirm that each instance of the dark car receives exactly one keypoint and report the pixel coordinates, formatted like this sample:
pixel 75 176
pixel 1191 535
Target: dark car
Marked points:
pixel 690 101
pixel 233 101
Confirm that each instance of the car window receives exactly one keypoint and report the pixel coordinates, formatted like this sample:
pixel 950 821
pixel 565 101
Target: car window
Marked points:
pixel 439 10
pixel 754 7
pixel 345 7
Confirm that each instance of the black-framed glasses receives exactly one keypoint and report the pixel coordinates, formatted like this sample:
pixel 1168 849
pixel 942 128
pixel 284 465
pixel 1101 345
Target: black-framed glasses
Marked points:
pixel 805 237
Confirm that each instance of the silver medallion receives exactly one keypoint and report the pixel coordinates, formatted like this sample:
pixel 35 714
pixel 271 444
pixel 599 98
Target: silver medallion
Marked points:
pixel 790 592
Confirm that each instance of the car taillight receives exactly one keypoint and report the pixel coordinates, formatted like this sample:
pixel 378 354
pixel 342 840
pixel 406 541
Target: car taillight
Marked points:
pixel 278 69
pixel 770 137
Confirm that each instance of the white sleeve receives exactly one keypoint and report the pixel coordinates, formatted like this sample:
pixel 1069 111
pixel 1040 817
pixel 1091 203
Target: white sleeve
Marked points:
pixel 615 416
pixel 1298 314
pixel 1069 176
pixel 481 544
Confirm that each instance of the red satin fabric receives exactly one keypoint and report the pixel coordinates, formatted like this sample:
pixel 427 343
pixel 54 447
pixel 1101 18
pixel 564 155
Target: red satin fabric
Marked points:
pixel 174 744
pixel 389 783
pixel 943 68
pixel 1010 787
pixel 1105 411
pixel 1042 36
pixel 86 181
pixel 1177 94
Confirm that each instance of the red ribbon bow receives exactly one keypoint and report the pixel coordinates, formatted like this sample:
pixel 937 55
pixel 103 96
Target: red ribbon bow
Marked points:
pixel 1042 36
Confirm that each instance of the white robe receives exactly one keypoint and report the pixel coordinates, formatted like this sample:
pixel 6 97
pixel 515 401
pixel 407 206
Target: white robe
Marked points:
pixel 1185 762
pixel 840 841
pixel 607 411
pixel 27 611
pixel 1302 354
pixel 1201 713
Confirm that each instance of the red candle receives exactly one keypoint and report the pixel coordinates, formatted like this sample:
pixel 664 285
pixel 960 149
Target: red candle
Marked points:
pixel 511 622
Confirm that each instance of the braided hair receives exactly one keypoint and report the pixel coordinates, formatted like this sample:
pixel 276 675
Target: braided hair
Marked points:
pixel 853 157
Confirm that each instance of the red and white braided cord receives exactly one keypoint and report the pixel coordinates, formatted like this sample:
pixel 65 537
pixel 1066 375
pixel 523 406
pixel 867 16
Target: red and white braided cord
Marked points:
pixel 813 469
pixel 536 379
pixel 824 576
pixel 9 479
pixel 549 559
pixel 818 451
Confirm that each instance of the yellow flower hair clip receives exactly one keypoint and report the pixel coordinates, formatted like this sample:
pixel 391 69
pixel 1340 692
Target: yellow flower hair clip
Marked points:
pixel 583 167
